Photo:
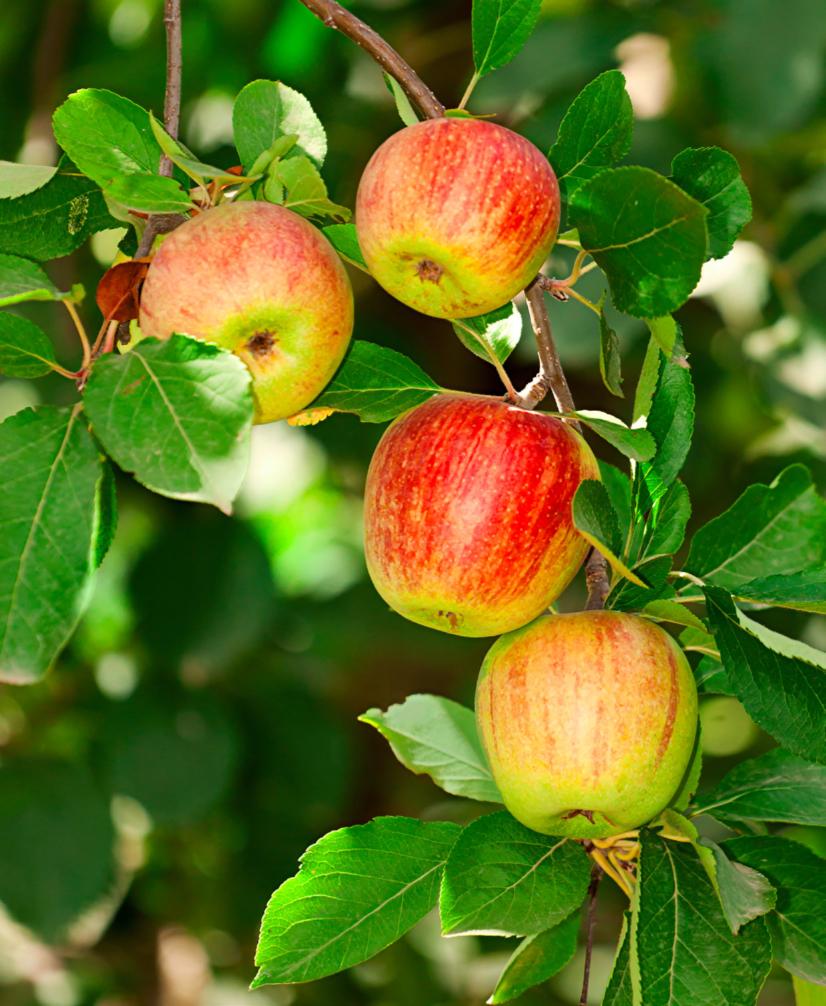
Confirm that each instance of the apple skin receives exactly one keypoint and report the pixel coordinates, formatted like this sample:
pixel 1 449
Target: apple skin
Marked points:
pixel 260 281
pixel 467 522
pixel 456 216
pixel 590 712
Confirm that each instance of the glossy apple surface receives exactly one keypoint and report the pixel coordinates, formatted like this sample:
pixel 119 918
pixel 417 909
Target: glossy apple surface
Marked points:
pixel 467 524
pixel 260 281
pixel 456 216
pixel 588 721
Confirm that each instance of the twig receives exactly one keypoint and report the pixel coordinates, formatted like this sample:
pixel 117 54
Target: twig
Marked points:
pixel 81 331
pixel 593 888
pixel 597 580
pixel 546 347
pixel 335 16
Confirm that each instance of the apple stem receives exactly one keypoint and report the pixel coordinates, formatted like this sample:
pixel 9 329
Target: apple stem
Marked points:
pixel 474 80
pixel 336 16
pixel 81 332
pixel 593 888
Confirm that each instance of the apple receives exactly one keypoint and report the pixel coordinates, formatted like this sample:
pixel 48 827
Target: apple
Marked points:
pixel 456 216
pixel 260 281
pixel 588 721
pixel 467 523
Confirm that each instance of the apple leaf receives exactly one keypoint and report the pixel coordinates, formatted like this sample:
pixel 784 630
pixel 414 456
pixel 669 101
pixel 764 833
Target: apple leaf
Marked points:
pixel 712 177
pixel 500 28
pixel 53 220
pixel 437 737
pixel 21 179
pixel 183 158
pixel 596 521
pixel 744 893
pixel 595 132
pixel 776 786
pixel 25 349
pixel 680 937
pixel 664 331
pixel 783 694
pixel 344 239
pixel 493 336
pixel 358 890
pixel 177 415
pixel 668 521
pixel 49 515
pixel 149 194
pixel 808 993
pixel 620 989
pixel 22 280
pixel 503 879
pixel 618 486
pixel 305 191
pixel 798 923
pixel 647 236
pixel 647 381
pixel 628 595
pixel 637 444
pixel 406 111
pixel 106 135
pixel 536 959
pixel 780 527
pixel 803 591
pixel 376 383
pixel 610 361
pixel 266 110
pixel 55 827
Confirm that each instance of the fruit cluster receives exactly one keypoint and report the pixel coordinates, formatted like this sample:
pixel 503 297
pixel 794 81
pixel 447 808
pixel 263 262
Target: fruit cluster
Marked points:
pixel 588 719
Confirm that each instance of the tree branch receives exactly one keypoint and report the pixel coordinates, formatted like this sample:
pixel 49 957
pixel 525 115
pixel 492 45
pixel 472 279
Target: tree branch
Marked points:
pixel 551 366
pixel 335 16
pixel 596 876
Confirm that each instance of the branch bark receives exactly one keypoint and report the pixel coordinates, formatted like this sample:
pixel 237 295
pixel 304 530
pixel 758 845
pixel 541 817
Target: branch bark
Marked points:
pixel 336 16
pixel 596 876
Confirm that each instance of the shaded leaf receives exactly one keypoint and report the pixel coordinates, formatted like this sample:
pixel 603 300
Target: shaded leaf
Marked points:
pixel 25 349
pixel 503 878
pixel 745 893
pixel 177 415
pixel 344 239
pixel 620 989
pixel 49 516
pixel 358 890
pixel 610 362
pixel 437 737
pixel 646 234
pixel 596 520
pixel 22 280
pixel 669 521
pixel 149 194
pixel 492 336
pixel 804 591
pixel 536 959
pixel 712 177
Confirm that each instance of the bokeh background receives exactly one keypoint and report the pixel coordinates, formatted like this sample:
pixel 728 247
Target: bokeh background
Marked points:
pixel 212 690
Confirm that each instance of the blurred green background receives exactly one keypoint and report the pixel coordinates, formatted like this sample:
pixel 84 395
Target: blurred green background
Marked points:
pixel 212 691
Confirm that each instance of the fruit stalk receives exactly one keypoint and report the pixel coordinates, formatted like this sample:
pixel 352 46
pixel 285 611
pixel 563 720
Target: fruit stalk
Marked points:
pixel 551 376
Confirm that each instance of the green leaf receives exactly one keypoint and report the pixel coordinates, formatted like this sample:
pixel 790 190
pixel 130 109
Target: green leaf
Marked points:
pixel 344 239
pixel 687 955
pixel 647 382
pixel 536 959
pixel 500 29
pixel 712 177
pixel 492 336
pixel 186 160
pixel 745 894
pixel 48 512
pixel 22 280
pixel 672 611
pixel 669 521
pixel 177 415
pixel 20 179
pixel 804 591
pixel 596 520
pixel 306 192
pixel 618 487
pixel 175 755
pixel 25 349
pixel 628 596
pixel 266 110
pixel 54 220
pixel 671 423
pixel 406 111
pixel 56 832
pixel 106 135
pixel 636 444
pixel 437 737
pixel 595 133
pixel 358 890
pixel 776 786
pixel 691 779
pixel 784 695
pixel 647 236
pixel 808 993
pixel 664 332
pixel 620 985
pixel 501 878
pixel 781 527
pixel 798 924
pixel 376 384
pixel 610 361
pixel 149 194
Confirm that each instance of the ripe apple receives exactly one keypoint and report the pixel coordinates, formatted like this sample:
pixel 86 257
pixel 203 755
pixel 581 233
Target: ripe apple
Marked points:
pixel 261 281
pixel 456 216
pixel 467 523
pixel 588 721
